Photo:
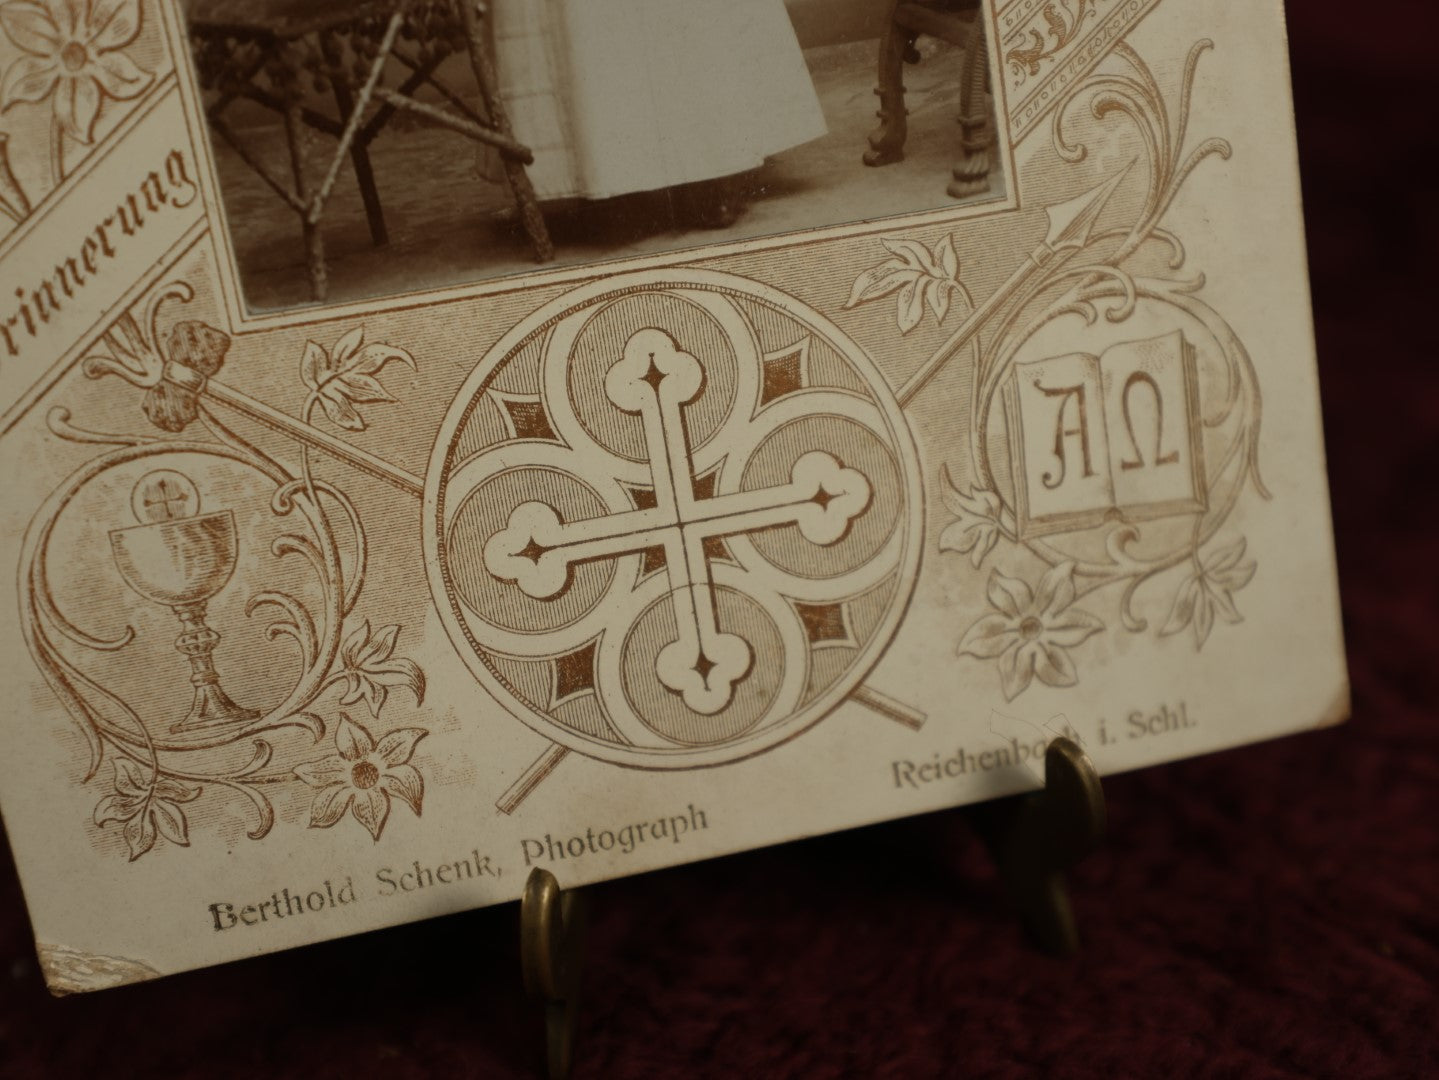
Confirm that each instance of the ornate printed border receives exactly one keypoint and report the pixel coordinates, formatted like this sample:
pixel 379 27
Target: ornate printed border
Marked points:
pixel 1089 266
pixel 1090 272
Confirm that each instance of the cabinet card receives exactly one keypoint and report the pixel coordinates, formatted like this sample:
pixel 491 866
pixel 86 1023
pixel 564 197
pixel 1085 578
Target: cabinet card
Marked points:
pixel 441 440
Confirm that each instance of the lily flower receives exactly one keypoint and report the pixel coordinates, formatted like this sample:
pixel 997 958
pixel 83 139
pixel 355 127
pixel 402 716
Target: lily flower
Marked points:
pixel 362 775
pixel 1032 630
pixel 369 668
pixel 72 50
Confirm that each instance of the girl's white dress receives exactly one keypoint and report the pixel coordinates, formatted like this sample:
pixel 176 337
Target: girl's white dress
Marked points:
pixel 617 96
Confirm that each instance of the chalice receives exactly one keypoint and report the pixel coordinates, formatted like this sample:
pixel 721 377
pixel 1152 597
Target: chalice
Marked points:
pixel 181 558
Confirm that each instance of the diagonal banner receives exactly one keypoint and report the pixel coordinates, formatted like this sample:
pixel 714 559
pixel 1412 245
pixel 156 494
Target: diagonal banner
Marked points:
pixel 1047 47
pixel 73 262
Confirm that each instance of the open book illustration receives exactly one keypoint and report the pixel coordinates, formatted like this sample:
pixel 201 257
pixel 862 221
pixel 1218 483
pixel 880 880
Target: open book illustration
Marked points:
pixel 443 439
pixel 1110 436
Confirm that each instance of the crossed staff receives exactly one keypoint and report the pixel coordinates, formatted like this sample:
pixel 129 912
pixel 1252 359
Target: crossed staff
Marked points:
pixel 1071 225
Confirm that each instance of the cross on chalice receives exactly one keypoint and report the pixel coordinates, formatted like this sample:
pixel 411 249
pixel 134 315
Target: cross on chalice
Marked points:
pixel 181 558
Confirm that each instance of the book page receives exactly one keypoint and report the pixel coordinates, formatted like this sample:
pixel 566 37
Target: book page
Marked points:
pixel 1150 399
pixel 1059 431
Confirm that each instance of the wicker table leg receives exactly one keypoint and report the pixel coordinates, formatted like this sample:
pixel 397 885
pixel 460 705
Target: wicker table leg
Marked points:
pixel 295 137
pixel 526 203
pixel 364 172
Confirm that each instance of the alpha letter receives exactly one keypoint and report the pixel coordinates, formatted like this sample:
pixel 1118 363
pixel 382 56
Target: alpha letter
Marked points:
pixel 1066 394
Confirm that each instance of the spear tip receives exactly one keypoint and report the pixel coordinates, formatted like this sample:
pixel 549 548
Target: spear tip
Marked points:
pixel 1070 223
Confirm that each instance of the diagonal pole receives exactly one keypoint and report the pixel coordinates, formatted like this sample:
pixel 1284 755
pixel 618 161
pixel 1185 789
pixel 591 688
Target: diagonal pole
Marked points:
pixel 285 424
pixel 1070 226
pixel 553 755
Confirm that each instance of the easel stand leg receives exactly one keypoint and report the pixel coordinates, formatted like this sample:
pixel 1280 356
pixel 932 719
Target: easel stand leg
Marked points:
pixel 552 931
pixel 1035 838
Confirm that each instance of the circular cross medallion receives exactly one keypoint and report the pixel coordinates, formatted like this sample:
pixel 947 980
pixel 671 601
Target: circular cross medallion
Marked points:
pixel 672 520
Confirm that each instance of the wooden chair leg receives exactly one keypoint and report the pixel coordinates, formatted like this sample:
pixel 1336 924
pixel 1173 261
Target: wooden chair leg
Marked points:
pixel 364 172
pixel 886 142
pixel 971 171
pixel 527 205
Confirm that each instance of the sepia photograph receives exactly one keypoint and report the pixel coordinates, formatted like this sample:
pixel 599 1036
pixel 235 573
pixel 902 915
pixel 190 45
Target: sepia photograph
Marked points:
pixel 371 148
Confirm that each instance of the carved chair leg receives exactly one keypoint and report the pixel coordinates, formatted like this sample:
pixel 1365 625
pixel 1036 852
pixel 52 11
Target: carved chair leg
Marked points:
pixel 526 203
pixel 971 171
pixel 886 142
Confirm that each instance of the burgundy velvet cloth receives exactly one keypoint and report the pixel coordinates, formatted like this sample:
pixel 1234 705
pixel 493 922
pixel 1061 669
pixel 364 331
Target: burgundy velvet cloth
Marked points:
pixel 1272 912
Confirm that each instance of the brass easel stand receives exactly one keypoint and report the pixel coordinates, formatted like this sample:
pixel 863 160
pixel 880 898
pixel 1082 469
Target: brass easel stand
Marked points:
pixel 1033 838
pixel 552 932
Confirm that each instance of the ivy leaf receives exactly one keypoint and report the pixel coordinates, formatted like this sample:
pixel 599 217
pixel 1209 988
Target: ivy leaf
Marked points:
pixel 371 669
pixel 919 276
pixel 174 791
pixel 115 808
pixel 170 822
pixel 361 388
pixel 341 380
pixel 949 258
pixel 878 281
pixel 1181 612
pixel 1209 593
pixel 374 357
pixel 911 306
pixel 148 807
pixel 130 780
pixel 140 834
pixel 314 365
pixel 338 408
pixel 1227 567
pixel 347 346
pixel 938 294
pixel 977 529
pixel 914 254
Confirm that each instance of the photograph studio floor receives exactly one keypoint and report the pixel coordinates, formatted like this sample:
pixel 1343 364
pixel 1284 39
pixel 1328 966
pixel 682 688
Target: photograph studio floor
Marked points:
pixel 456 226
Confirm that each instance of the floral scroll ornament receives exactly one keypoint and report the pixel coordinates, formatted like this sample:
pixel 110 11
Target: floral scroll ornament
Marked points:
pixel 369 669
pixel 1211 591
pixel 157 769
pixel 1063 27
pixel 72 55
pixel 1097 269
pixel 362 774
pixel 344 378
pixel 1031 632
pixel 148 806
pixel 918 275
pixel 976 528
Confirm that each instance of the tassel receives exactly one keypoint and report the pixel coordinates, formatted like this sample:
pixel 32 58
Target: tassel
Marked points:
pixel 194 352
